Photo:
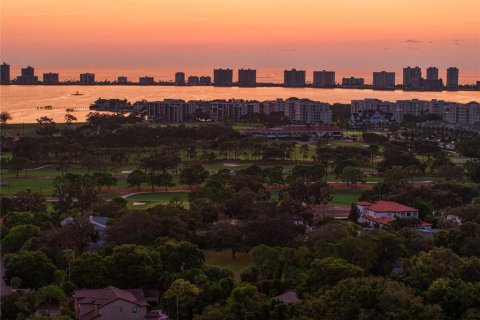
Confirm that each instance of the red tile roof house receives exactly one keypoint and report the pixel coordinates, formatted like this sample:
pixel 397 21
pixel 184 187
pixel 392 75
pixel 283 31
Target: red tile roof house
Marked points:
pixel 109 303
pixel 382 213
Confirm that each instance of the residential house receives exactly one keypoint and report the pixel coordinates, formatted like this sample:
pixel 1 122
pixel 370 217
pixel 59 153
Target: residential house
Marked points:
pixel 382 213
pixel 109 303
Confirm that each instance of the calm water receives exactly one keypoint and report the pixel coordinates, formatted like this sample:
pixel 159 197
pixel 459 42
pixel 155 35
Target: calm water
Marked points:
pixel 22 101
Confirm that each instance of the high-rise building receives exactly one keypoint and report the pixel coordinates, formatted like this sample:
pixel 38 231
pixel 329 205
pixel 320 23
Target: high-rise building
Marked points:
pixel 122 80
pixel 179 79
pixel 247 78
pixel 294 78
pixel 324 79
pixel 223 77
pixel 411 77
pixel 205 81
pixel 87 78
pixel 193 80
pixel 4 73
pixel 452 77
pixel 50 78
pixel 353 82
pixel 27 76
pixel 432 73
pixel 384 80
pixel 146 81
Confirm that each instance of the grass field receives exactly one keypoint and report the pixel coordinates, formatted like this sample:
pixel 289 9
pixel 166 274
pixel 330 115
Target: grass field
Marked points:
pixel 224 259
pixel 346 197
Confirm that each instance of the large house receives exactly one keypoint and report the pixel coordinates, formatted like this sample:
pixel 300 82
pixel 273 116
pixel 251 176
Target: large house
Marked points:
pixel 110 303
pixel 382 213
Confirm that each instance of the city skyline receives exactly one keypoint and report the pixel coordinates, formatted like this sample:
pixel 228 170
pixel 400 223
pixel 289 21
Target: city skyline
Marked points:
pixel 248 76
pixel 305 34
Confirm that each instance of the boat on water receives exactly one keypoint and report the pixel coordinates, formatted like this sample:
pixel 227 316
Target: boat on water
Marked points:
pixel 77 94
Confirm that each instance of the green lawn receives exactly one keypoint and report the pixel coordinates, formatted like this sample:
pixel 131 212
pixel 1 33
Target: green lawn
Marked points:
pixel 224 259
pixel 346 197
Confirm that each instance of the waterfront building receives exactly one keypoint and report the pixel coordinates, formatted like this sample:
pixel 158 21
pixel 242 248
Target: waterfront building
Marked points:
pixel 412 107
pixel 294 78
pixel 122 80
pixel 307 111
pixel 179 79
pixel 27 76
pixel 463 113
pixel 223 77
pixel 384 80
pixel 87 78
pixel 168 110
pixel 432 73
pixel 4 73
pixel 412 77
pixel 50 78
pixel 324 79
pixel 247 78
pixel 353 82
pixel 146 81
pixel 205 81
pixel 452 77
pixel 193 81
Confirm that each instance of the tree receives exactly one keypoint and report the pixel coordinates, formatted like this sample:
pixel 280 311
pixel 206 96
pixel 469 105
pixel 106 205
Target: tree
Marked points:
pixel 193 175
pixel 451 172
pixel 32 267
pixel 225 235
pixel 4 117
pixel 136 178
pixel 304 150
pixel 75 235
pixel 164 180
pixel 89 271
pixel 49 295
pixel 75 191
pixel 104 179
pixel 327 272
pixel 370 298
pixel 273 175
pixel 215 312
pixel 353 175
pixel 246 302
pixel 454 296
pixel 179 256
pixel 17 164
pixel 130 266
pixel 179 300
pixel 17 236
pixel 420 271
pixel 205 209
pixel 29 201
pixel 69 118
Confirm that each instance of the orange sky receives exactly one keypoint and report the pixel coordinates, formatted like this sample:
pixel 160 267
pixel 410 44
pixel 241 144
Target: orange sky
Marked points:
pixel 379 34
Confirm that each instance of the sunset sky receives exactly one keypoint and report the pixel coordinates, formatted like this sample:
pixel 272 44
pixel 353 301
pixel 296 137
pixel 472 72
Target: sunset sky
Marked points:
pixel 358 34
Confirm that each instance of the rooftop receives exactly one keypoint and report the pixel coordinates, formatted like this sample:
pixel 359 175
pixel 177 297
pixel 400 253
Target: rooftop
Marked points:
pixel 388 206
pixel 102 297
